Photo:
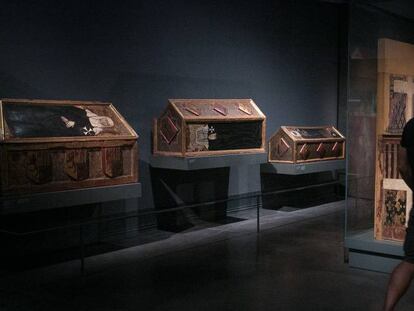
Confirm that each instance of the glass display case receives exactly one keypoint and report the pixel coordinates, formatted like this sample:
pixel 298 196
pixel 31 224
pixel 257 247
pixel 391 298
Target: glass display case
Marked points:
pixel 380 102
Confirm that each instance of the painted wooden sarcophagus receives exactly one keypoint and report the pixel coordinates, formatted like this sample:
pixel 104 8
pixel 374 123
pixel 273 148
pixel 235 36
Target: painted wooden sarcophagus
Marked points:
pixel 300 144
pixel 50 145
pixel 395 198
pixel 201 127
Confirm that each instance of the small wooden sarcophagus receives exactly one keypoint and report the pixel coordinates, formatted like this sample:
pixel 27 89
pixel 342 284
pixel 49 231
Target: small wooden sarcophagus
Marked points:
pixel 299 144
pixel 201 127
pixel 49 145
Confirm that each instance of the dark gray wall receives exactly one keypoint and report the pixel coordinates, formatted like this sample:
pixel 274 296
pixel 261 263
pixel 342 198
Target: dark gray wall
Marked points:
pixel 137 54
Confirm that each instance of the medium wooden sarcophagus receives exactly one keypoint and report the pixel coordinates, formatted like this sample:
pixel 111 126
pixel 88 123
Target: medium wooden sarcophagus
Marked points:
pixel 50 145
pixel 201 127
pixel 300 144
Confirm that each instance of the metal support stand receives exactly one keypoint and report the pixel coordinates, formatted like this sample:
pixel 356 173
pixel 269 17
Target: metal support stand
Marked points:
pixel 82 249
pixel 258 205
pixel 100 223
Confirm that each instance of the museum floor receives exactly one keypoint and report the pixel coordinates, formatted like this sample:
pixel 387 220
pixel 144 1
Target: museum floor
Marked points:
pixel 294 264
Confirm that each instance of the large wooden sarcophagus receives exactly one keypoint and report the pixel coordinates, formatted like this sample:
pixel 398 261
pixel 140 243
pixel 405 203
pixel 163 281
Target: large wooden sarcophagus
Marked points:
pixel 50 145
pixel 300 144
pixel 201 127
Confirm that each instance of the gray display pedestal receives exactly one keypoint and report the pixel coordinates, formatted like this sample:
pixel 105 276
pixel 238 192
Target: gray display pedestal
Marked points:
pixel 365 252
pixel 244 173
pixel 68 198
pixel 302 168
pixel 322 176
pixel 244 168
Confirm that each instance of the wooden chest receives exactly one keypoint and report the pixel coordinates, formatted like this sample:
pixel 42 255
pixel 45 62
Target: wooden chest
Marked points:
pixel 49 145
pixel 299 144
pixel 200 127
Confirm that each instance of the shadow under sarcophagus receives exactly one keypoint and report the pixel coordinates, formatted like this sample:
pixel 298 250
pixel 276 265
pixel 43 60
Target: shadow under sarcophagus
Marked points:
pixel 291 192
pixel 183 199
